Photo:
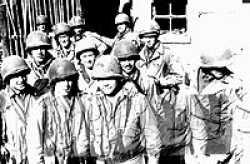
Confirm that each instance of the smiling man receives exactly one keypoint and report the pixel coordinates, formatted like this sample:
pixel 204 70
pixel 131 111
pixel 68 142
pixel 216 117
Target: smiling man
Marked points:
pixel 122 125
pixel 17 106
pixel 127 54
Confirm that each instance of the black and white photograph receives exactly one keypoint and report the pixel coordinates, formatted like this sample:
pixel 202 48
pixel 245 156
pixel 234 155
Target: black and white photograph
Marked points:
pixel 124 82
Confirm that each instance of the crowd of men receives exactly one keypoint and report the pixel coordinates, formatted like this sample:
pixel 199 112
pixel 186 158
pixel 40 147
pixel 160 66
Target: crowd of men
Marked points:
pixel 83 98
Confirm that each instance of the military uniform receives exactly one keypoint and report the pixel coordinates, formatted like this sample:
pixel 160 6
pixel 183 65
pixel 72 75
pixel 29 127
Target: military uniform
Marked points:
pixel 37 77
pixel 159 63
pixel 18 113
pixel 64 127
pixel 78 22
pixel 62 52
pixel 210 103
pixel 123 129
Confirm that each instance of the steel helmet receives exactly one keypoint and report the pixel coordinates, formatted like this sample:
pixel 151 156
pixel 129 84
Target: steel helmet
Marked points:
pixel 62 69
pixel 216 57
pixel 84 45
pixel 122 18
pixel 37 39
pixel 76 21
pixel 42 19
pixel 149 28
pixel 13 65
pixel 62 28
pixel 107 66
pixel 125 49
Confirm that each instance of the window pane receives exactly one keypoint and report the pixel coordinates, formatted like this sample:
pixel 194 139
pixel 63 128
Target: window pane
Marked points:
pixel 164 23
pixel 179 25
pixel 162 7
pixel 179 7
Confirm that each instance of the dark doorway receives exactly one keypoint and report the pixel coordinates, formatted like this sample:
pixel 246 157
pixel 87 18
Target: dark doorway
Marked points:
pixel 100 16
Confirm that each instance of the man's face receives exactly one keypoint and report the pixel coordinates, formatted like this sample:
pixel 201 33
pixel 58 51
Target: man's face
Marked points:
pixel 87 58
pixel 212 73
pixel 38 54
pixel 149 41
pixel 78 33
pixel 18 83
pixel 127 66
pixel 64 40
pixel 108 86
pixel 121 28
pixel 63 88
pixel 42 27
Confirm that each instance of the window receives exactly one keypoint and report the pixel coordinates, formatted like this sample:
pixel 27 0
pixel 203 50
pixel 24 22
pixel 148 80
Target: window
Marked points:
pixel 246 1
pixel 171 16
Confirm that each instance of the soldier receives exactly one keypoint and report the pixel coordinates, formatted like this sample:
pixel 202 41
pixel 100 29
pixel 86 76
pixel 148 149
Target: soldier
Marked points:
pixel 157 62
pixel 18 108
pixel 124 31
pixel 65 132
pixel 122 124
pixel 210 102
pixel 79 27
pixel 66 48
pixel 123 26
pixel 86 53
pixel 127 54
pixel 43 24
pixel 39 60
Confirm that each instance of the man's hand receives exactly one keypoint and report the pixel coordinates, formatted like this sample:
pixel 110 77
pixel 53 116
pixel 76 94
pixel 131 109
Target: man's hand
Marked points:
pixel 168 81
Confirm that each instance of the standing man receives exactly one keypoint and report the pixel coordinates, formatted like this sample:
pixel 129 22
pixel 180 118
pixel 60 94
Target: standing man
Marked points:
pixel 211 101
pixel 39 60
pixel 158 63
pixel 43 24
pixel 66 48
pixel 86 53
pixel 78 26
pixel 127 54
pixel 18 109
pixel 64 127
pixel 122 124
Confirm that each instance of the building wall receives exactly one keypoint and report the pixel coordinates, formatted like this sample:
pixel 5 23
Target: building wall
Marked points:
pixel 213 23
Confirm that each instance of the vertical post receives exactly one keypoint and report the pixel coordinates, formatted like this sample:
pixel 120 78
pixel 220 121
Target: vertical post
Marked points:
pixel 51 12
pixel 9 36
pixel 73 7
pixel 20 33
pixel 68 10
pixel 56 12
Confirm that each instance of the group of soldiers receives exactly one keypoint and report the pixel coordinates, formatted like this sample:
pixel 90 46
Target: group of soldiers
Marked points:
pixel 79 97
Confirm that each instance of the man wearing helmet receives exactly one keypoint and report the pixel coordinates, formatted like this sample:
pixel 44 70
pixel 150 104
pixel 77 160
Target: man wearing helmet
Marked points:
pixel 66 47
pixel 158 63
pixel 211 102
pixel 43 24
pixel 39 59
pixel 78 25
pixel 124 31
pixel 122 124
pixel 64 127
pixel 127 54
pixel 18 111
pixel 86 53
